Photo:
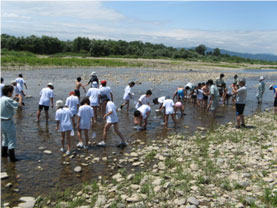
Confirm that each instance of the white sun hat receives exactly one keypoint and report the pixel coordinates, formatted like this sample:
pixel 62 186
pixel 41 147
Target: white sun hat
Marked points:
pixel 59 103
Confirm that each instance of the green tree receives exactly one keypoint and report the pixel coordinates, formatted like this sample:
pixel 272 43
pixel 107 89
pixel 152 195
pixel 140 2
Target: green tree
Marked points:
pixel 201 49
pixel 216 52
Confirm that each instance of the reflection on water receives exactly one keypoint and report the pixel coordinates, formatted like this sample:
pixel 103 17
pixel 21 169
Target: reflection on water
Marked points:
pixel 39 173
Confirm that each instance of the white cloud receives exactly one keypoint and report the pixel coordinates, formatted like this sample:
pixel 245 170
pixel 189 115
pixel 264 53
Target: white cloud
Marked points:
pixel 67 20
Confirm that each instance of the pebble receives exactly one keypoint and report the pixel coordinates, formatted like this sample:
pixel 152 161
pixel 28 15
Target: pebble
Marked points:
pixel 48 152
pixel 250 200
pixel 101 200
pixel 78 169
pixel 191 206
pixel 179 202
pixel 194 167
pixel 157 182
pixel 4 175
pixel 133 154
pixel 42 148
pixel 133 198
pixel 9 185
pixel 269 180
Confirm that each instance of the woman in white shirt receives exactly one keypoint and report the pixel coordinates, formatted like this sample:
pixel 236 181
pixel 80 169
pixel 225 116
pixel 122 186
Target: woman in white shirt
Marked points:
pixel 84 122
pixel 128 95
pixel 64 118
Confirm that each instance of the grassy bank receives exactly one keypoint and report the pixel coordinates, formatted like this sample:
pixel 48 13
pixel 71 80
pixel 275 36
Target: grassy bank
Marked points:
pixel 11 60
pixel 226 167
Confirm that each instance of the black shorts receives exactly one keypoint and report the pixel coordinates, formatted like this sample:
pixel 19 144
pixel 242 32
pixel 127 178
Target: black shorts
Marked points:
pixel 77 93
pixel 193 96
pixel 275 102
pixel 205 97
pixel 46 108
pixel 239 109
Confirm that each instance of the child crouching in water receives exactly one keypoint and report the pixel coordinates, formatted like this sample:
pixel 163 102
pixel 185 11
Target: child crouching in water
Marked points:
pixel 64 119
pixel 84 122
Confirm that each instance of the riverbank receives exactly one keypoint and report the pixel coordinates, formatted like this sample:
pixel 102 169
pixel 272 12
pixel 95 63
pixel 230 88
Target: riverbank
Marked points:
pixel 226 167
pixel 26 60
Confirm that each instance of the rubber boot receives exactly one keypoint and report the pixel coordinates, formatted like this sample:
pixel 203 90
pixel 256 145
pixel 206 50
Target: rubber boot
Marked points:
pixel 4 152
pixel 12 155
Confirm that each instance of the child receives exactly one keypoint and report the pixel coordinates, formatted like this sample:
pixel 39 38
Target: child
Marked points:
pixel 144 99
pixel 46 95
pixel 168 105
pixel 94 97
pixel 240 103
pixel 180 94
pixel 225 95
pixel 206 93
pixel 141 115
pixel 21 82
pixel 199 93
pixel 274 88
pixel 64 118
pixel 179 106
pixel 127 95
pixel 78 85
pixel 72 102
pixel 111 120
pixel 18 93
pixel 84 121
pixel 8 131
pixel 104 90
pixel 160 101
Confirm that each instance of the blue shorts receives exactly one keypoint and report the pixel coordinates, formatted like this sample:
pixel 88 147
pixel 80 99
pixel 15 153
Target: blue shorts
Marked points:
pixel 180 93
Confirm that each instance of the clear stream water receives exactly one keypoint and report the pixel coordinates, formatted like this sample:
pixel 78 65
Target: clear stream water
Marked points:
pixel 55 176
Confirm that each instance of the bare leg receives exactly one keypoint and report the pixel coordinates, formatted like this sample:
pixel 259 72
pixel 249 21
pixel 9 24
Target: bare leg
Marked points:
pixel 174 120
pixel 63 135
pixel 95 113
pixel 68 140
pixel 106 129
pixel 166 120
pixel 86 136
pixel 238 120
pixel 38 115
pixel 46 116
pixel 242 119
pixel 73 121
pixel 115 125
pixel 127 102
pixel 80 135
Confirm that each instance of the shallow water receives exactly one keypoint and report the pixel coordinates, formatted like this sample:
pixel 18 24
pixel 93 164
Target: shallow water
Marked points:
pixel 28 177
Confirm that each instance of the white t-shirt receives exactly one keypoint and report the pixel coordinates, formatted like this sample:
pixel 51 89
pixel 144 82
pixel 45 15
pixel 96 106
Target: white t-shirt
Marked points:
pixel 127 93
pixel 72 103
pixel 200 94
pixel 161 99
pixel 144 109
pixel 18 89
pixel 1 86
pixel 85 113
pixel 214 91
pixel 20 81
pixel 144 100
pixel 93 94
pixel 241 96
pixel 110 107
pixel 106 91
pixel 169 106
pixel 64 115
pixel 45 95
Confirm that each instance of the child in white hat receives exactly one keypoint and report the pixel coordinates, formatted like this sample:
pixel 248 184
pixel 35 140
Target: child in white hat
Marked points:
pixel 64 118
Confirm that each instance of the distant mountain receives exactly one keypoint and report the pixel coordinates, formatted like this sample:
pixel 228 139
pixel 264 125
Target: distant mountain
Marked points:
pixel 259 56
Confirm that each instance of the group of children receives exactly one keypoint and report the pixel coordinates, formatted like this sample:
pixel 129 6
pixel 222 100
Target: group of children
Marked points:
pixel 81 115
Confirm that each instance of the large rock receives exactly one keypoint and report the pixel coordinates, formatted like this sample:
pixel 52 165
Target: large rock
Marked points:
pixel 193 201
pixel 133 198
pixel 179 202
pixel 157 182
pixel 100 202
pixel 29 202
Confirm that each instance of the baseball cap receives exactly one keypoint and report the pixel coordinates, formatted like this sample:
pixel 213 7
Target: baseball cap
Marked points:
pixel 103 82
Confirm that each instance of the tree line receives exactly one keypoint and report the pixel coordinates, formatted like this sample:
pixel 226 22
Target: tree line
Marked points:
pixel 101 48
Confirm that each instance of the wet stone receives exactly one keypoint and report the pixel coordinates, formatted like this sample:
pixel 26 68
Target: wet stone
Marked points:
pixel 48 152
pixel 29 202
pixel 78 169
pixel 193 201
pixel 4 175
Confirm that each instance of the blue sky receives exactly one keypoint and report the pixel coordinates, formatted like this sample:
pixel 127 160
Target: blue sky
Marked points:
pixel 237 26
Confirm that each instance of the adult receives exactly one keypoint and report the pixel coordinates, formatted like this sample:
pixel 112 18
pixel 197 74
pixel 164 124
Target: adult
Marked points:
pixel 214 97
pixel 46 96
pixel 78 85
pixel 274 88
pixel 260 90
pixel 8 130
pixel 1 86
pixel 22 82
pixel 93 78
pixel 240 102
pixel 219 84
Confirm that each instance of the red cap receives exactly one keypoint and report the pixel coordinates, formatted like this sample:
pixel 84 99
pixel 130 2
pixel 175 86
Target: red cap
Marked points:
pixel 72 93
pixel 103 82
